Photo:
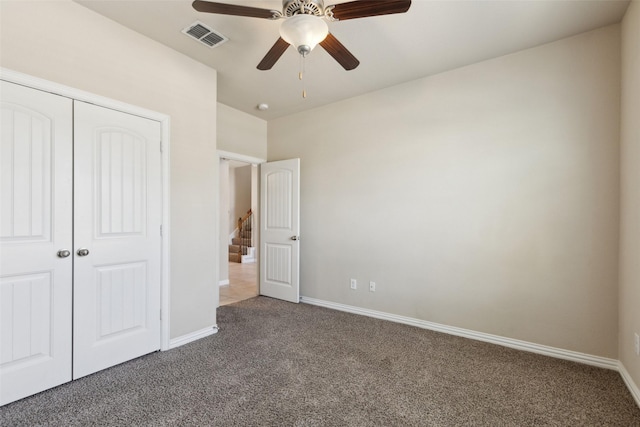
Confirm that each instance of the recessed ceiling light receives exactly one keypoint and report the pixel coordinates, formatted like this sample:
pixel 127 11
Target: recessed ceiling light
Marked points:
pixel 263 106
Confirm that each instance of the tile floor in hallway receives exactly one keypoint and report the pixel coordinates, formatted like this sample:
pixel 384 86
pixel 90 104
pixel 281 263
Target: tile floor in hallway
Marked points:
pixel 243 283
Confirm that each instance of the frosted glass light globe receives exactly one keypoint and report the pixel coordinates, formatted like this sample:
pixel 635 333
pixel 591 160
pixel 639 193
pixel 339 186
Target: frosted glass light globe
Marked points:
pixel 304 32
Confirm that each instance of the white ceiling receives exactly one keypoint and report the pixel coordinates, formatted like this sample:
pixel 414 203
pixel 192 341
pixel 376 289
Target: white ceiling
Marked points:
pixel 432 37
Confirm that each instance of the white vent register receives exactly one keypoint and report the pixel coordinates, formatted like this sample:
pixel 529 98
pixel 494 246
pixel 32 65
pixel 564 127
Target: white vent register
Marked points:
pixel 204 34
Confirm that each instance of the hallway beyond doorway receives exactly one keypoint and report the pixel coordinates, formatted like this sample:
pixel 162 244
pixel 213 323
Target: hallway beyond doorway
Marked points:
pixel 243 283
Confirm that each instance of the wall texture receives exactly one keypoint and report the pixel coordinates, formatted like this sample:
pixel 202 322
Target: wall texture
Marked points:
pixel 71 45
pixel 630 194
pixel 241 133
pixel 240 190
pixel 485 198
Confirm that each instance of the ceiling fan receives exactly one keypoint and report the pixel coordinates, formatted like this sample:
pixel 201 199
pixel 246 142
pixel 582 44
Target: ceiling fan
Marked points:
pixel 305 24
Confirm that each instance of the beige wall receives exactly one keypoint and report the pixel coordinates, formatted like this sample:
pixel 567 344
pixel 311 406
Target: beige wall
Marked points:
pixel 241 133
pixel 240 190
pixel 484 198
pixel 630 194
pixel 71 45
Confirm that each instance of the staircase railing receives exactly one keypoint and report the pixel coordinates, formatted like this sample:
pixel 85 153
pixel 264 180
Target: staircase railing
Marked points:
pixel 245 232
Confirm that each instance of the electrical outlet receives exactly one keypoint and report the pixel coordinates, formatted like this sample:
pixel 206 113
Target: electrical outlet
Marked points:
pixel 354 284
pixel 372 286
pixel 637 343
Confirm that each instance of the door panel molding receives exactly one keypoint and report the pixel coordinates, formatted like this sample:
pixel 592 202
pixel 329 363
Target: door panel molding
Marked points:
pixel 18 122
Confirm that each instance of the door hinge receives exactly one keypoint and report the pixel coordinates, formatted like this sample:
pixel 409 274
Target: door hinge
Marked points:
pixel 160 314
pixel 161 146
pixel 160 229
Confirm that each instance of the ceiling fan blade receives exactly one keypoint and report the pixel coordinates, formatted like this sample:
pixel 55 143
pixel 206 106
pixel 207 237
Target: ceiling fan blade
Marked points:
pixel 364 8
pixel 232 9
pixel 273 55
pixel 339 52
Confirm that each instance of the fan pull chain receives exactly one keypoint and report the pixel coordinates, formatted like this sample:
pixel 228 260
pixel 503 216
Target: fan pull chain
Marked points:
pixel 301 75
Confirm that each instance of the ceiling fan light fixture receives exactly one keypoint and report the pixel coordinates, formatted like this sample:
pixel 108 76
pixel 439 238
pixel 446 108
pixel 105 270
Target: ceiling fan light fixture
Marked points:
pixel 304 32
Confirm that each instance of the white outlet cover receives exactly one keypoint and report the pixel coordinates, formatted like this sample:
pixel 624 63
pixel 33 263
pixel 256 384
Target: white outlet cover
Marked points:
pixel 637 344
pixel 354 284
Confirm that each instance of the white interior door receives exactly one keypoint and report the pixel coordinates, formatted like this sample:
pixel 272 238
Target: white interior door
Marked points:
pixel 117 240
pixel 36 223
pixel 280 230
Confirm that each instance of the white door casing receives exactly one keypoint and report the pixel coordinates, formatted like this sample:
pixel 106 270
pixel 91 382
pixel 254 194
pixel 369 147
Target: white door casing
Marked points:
pixel 36 223
pixel 117 215
pixel 280 230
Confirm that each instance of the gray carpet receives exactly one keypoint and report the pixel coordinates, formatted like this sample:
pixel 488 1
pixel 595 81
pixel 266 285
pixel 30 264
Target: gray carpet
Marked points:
pixel 279 364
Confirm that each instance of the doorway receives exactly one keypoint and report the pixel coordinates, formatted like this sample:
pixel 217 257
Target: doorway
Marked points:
pixel 238 262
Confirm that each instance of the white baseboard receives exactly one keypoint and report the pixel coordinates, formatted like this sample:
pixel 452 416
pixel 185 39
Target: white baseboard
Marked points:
pixel 633 388
pixel 223 282
pixel 250 257
pixel 193 336
pixel 574 356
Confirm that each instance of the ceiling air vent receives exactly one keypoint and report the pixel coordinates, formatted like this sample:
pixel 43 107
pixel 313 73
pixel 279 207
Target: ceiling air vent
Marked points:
pixel 204 34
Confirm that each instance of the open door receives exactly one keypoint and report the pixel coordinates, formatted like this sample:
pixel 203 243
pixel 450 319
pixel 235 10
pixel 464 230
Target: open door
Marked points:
pixel 280 230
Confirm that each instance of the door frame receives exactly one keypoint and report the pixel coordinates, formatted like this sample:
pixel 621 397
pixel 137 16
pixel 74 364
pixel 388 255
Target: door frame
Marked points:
pixel 255 162
pixel 80 95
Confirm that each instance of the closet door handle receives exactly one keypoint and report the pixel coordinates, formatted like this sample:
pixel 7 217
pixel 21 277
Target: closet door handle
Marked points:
pixel 63 253
pixel 83 252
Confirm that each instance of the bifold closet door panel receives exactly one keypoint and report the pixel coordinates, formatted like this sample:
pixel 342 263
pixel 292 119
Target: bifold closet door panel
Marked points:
pixel 35 231
pixel 117 241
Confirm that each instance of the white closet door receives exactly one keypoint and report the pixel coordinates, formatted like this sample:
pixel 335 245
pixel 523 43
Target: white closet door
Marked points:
pixel 117 214
pixel 36 223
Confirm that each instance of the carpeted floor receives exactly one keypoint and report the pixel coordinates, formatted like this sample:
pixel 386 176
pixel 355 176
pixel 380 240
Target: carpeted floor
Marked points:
pixel 279 364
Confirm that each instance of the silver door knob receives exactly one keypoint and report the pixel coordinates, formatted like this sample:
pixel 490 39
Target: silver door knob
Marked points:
pixel 83 252
pixel 295 237
pixel 63 253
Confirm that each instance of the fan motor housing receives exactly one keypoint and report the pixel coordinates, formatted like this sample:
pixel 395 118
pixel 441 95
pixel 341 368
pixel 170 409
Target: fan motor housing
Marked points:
pixel 297 7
